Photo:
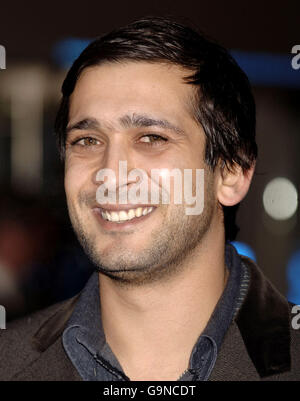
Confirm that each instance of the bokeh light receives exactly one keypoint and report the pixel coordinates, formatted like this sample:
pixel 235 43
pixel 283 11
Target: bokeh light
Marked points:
pixel 280 198
pixel 293 278
pixel 244 249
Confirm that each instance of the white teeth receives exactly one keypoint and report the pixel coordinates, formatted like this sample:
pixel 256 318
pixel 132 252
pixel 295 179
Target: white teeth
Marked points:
pixel 123 216
pixel 130 214
pixel 138 212
pixel 119 217
pixel 114 216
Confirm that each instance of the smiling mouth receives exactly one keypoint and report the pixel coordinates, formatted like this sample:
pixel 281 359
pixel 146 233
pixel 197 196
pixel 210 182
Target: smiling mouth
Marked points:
pixel 122 216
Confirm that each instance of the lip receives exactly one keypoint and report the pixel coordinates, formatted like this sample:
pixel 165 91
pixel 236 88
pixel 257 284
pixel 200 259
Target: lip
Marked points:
pixel 113 226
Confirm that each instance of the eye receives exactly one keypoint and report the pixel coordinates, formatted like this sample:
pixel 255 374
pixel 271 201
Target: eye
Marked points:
pixel 153 139
pixel 87 141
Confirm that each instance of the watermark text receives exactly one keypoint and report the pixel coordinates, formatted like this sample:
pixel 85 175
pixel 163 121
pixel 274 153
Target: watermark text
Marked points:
pixel 2 58
pixel 296 58
pixel 2 318
pixel 153 188
pixel 296 318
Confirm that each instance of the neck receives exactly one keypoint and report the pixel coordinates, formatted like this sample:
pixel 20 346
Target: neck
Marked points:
pixel 140 321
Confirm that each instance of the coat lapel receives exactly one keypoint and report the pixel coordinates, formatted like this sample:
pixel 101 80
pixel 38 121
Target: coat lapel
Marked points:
pixel 52 362
pixel 264 323
pixel 52 365
pixel 233 362
pixel 257 344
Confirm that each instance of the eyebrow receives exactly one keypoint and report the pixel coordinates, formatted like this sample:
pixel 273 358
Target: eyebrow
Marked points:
pixel 141 120
pixel 85 124
pixel 127 121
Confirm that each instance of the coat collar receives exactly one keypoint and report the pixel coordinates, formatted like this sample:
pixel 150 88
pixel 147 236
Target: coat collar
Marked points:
pixel 54 326
pixel 264 323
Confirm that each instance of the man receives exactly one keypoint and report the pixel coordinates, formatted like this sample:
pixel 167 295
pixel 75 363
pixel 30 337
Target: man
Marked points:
pixel 170 298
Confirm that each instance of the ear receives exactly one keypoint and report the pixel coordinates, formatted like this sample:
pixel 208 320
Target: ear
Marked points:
pixel 233 184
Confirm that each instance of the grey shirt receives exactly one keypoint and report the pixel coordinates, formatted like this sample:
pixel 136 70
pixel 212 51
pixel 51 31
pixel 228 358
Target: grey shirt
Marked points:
pixel 84 338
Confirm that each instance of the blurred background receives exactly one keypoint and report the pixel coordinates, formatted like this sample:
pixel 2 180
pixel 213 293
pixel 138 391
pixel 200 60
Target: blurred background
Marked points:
pixel 40 259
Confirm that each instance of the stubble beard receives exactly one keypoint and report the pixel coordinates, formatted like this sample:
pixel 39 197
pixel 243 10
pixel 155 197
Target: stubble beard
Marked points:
pixel 167 250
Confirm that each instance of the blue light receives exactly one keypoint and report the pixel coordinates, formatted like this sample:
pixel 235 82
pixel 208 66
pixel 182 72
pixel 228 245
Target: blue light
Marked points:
pixel 263 69
pixel 267 69
pixel 293 278
pixel 66 51
pixel 244 249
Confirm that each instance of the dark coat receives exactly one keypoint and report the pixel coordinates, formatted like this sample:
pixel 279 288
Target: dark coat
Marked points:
pixel 259 345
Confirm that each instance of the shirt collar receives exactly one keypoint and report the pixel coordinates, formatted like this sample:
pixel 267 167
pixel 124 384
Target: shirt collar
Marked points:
pixel 85 326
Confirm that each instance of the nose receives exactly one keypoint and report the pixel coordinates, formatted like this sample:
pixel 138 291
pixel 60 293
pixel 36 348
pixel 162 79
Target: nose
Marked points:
pixel 118 160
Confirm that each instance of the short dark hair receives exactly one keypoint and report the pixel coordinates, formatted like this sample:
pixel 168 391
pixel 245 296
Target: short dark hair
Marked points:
pixel 223 103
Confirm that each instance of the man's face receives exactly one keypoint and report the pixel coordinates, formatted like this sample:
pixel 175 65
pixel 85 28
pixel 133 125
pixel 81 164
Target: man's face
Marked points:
pixel 138 113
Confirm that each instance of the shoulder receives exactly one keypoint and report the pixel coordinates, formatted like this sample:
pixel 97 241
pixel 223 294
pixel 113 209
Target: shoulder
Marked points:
pixel 20 341
pixel 293 373
pixel 263 341
pixel 267 322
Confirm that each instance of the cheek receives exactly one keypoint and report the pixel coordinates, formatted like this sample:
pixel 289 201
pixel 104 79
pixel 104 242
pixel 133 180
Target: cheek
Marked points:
pixel 75 178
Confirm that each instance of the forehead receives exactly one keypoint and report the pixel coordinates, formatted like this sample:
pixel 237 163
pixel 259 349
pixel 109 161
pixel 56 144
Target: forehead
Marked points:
pixel 114 89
